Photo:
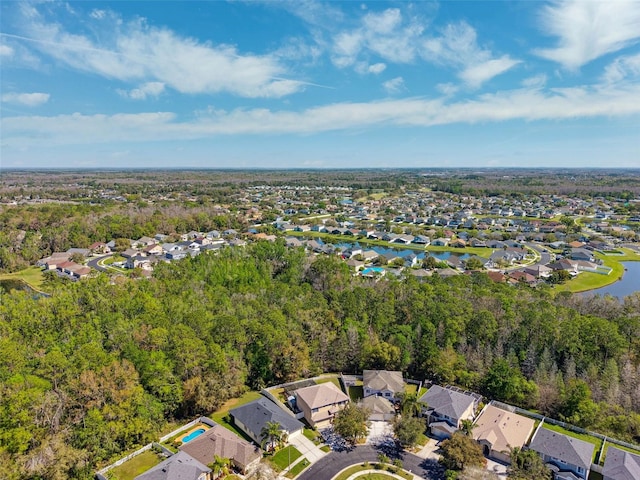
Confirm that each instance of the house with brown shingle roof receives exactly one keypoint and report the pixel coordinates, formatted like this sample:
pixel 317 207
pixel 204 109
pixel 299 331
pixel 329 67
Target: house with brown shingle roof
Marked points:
pixel 225 444
pixel 498 431
pixel 320 403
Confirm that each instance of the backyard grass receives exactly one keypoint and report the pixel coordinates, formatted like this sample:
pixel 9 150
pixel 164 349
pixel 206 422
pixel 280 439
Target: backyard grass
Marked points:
pixel 333 380
pixel 134 467
pixel 220 416
pixel 590 281
pixel 362 468
pixel 297 468
pixel 32 276
pixel 355 393
pixel 283 458
pixel 580 436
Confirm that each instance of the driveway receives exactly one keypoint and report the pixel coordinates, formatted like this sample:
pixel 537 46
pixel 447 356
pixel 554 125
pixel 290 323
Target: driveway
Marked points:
pixel 380 433
pixel 334 462
pixel 308 449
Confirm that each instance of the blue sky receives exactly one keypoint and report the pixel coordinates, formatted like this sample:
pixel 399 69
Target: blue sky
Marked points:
pixel 320 84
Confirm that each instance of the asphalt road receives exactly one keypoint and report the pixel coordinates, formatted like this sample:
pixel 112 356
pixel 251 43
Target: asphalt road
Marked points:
pixel 93 263
pixel 334 462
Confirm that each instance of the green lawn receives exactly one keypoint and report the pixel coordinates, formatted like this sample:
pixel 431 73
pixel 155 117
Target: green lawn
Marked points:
pixel 356 393
pixel 298 467
pixel 32 276
pixel 113 259
pixel 333 380
pixel 134 467
pixel 310 434
pixel 283 458
pixel 581 436
pixel 590 281
pixel 373 476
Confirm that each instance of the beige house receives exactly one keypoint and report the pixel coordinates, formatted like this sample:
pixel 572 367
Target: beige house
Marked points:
pixel 383 383
pixel 320 403
pixel 498 431
pixel 224 443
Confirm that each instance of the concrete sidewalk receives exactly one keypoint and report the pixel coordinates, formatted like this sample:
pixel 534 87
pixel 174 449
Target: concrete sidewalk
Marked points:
pixel 308 449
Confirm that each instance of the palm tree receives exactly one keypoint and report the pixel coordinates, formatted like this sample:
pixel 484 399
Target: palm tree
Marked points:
pixel 410 405
pixel 218 465
pixel 272 434
pixel 467 426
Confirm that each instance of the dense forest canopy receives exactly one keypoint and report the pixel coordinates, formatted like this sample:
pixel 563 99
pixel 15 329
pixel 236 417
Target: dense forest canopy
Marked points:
pixel 100 366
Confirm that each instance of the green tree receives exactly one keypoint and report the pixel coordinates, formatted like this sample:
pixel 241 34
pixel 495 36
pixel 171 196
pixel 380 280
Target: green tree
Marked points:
pixel 272 434
pixel 351 423
pixel 527 465
pixel 461 451
pixel 409 430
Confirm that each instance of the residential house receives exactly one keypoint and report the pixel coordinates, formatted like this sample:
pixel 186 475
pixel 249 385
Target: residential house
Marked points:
pixel 153 249
pixel 538 271
pixel 498 431
pixel 320 403
pixel 446 408
pixel 253 417
pixel 145 242
pixel 581 254
pixel 383 383
pixel 458 243
pixel 85 252
pixel 139 262
pixel 621 465
pixel 99 248
pixel 369 255
pixel 180 466
pixel 381 409
pixel 422 240
pixel 130 252
pixel 218 441
pixel 523 277
pixel 568 457
pixel 440 242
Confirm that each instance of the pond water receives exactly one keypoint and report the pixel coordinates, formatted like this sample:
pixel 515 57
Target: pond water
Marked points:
pixel 629 283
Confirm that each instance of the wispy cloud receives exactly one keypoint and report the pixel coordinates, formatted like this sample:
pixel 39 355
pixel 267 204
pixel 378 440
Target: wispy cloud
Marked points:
pixel 457 46
pixel 529 104
pixel 6 51
pixel 394 85
pixel 149 89
pixel 27 99
pixel 587 30
pixel 135 51
pixel 622 68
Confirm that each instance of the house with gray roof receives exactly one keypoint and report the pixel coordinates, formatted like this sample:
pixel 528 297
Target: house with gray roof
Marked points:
pixel 253 417
pixel 446 408
pixel 380 409
pixel 568 457
pixel 180 466
pixel 621 465
pixel 382 383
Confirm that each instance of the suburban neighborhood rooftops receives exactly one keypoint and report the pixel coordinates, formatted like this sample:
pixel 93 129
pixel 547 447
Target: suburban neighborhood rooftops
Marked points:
pixel 256 414
pixel 221 442
pixel 447 402
pixel 503 430
pixel 570 450
pixel 179 466
pixel 318 396
pixel 383 380
pixel 621 465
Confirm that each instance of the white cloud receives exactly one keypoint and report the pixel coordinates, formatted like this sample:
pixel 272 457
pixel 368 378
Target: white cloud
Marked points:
pixel 622 68
pixel 458 47
pixel 527 104
pixel 377 68
pixel 447 89
pixel 149 89
pixel 26 99
pixel 394 85
pixel 537 81
pixel 6 51
pixel 385 22
pixel 587 30
pixel 135 51
pixel 476 75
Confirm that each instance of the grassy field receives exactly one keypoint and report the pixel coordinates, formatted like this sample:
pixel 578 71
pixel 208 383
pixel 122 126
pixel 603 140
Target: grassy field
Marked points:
pixel 33 276
pixel 590 281
pixel 297 468
pixel 285 457
pixel 134 467
pixel 373 476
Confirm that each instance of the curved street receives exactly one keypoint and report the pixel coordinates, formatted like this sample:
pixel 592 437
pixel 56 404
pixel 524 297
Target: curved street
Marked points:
pixel 94 263
pixel 334 462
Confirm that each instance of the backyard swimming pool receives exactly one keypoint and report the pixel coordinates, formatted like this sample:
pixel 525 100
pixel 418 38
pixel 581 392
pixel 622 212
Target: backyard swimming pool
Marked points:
pixel 193 434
